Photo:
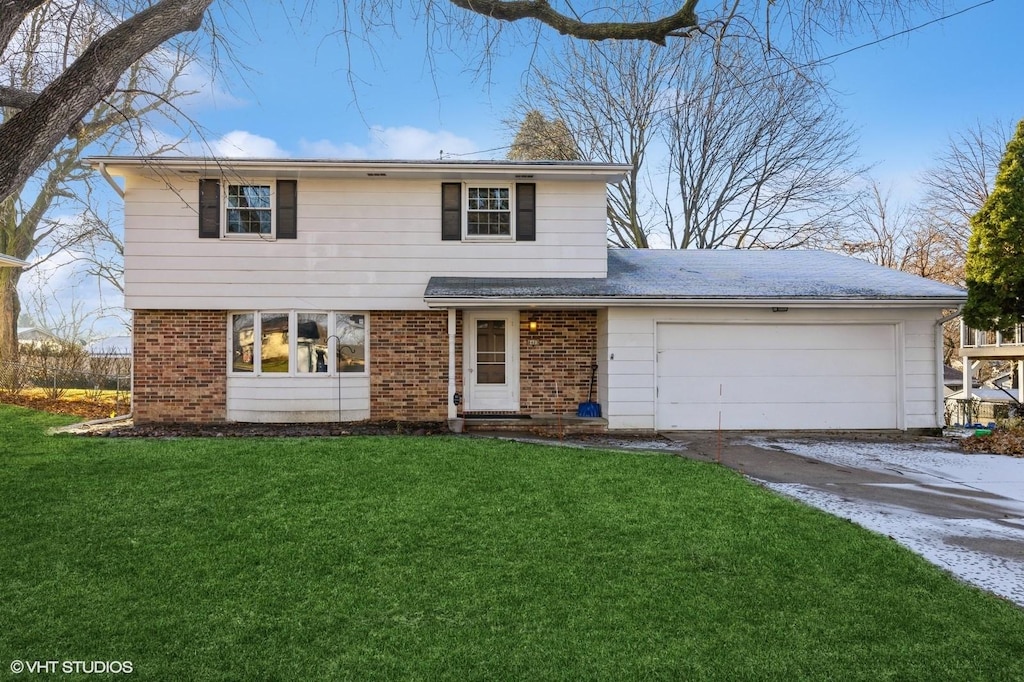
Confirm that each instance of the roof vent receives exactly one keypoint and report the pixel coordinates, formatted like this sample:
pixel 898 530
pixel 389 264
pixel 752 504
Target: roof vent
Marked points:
pixel 524 177
pixel 376 175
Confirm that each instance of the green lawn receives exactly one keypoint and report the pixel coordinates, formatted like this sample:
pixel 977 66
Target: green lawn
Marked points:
pixel 455 558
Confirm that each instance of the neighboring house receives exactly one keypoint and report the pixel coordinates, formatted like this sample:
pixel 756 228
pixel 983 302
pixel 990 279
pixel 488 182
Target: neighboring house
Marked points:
pixel 11 262
pixel 270 290
pixel 35 337
pixel 1005 392
pixel 111 346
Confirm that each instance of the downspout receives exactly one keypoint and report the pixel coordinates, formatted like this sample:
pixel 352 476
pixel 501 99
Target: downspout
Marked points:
pixel 940 381
pixel 110 180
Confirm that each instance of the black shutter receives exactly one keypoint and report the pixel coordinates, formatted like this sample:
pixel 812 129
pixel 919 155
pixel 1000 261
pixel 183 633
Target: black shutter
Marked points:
pixel 287 225
pixel 526 212
pixel 209 209
pixel 451 211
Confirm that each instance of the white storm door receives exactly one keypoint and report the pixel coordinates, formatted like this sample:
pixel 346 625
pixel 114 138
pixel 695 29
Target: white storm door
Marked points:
pixel 492 361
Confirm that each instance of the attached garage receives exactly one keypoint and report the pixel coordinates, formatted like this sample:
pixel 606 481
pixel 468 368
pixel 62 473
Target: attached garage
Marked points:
pixel 746 340
pixel 776 376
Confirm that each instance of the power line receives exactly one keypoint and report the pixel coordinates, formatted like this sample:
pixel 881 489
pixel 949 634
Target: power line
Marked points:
pixel 816 62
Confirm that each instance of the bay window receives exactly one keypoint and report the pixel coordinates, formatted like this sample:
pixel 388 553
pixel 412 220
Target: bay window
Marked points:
pixel 297 343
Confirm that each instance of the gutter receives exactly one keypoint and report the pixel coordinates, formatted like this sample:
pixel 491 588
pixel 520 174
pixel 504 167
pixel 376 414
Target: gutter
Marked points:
pixel 940 375
pixel 620 301
pixel 11 262
pixel 110 180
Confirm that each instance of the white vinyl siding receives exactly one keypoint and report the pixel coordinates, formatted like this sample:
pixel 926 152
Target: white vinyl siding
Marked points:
pixel 364 244
pixel 297 399
pixel 630 357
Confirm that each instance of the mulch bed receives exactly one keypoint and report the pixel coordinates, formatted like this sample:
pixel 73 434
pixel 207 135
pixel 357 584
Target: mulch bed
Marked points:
pixel 1001 442
pixel 244 430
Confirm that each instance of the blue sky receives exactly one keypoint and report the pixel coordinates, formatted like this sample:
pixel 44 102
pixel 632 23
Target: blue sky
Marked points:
pixel 905 96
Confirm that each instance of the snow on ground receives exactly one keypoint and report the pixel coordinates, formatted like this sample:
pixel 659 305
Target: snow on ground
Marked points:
pixel 937 540
pixel 956 545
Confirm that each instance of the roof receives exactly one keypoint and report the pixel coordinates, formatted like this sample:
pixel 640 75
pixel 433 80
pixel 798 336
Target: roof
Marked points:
pixel 111 345
pixel 712 277
pixel 11 262
pixel 362 168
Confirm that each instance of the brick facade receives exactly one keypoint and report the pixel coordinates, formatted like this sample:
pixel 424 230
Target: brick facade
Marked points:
pixel 409 365
pixel 180 366
pixel 181 363
pixel 555 360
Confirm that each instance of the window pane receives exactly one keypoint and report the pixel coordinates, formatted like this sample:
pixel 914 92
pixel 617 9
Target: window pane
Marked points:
pixel 311 342
pixel 248 209
pixel 242 339
pixel 489 211
pixel 351 344
pixel 490 351
pixel 274 342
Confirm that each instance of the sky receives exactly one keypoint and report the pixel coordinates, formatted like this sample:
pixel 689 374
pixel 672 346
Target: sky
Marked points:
pixel 293 88
pixel 904 96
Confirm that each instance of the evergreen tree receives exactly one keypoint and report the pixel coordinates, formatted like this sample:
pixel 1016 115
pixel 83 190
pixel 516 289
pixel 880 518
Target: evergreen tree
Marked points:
pixel 540 139
pixel 995 252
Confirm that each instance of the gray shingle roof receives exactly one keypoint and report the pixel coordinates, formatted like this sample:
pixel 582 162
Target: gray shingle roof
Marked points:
pixel 712 275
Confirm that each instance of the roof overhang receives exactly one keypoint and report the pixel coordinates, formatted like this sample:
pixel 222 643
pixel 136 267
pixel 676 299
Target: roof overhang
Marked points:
pixel 648 302
pixel 11 262
pixel 375 169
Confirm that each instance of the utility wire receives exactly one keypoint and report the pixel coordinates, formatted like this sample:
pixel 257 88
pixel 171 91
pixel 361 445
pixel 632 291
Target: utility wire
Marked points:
pixel 816 62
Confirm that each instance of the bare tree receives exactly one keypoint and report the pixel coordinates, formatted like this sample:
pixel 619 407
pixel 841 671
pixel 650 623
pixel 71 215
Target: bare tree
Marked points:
pixel 746 156
pixel 48 114
pixel 959 184
pixel 608 96
pixel 894 235
pixel 759 157
pixel 50 39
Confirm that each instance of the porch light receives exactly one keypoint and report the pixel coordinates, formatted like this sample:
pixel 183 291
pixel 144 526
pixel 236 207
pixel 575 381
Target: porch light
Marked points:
pixel 533 325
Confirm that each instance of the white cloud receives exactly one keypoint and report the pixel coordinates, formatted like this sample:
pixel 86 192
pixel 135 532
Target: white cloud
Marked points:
pixel 403 142
pixel 243 144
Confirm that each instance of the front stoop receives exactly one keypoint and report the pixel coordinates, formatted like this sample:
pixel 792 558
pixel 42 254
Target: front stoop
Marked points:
pixel 542 424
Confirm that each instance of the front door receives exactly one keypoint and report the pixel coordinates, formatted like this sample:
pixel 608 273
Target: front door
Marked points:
pixel 492 361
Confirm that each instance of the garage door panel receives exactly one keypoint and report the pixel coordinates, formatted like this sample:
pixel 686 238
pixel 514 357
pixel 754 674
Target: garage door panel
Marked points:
pixel 779 416
pixel 773 390
pixel 776 376
pixel 781 337
pixel 773 363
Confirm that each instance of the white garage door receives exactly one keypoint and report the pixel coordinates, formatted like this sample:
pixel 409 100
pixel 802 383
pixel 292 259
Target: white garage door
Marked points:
pixel 752 376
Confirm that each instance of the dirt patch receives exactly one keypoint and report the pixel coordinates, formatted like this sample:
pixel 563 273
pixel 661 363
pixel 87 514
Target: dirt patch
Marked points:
pixel 84 408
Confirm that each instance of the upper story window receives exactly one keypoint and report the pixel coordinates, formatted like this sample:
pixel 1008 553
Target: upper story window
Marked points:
pixel 247 210
pixel 488 211
pixel 474 211
pixel 233 209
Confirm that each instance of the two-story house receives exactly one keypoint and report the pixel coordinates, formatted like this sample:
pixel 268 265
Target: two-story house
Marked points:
pixel 317 290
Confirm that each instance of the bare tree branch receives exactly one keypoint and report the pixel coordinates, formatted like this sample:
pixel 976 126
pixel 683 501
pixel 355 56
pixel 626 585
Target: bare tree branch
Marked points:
pixel 29 136
pixel 540 10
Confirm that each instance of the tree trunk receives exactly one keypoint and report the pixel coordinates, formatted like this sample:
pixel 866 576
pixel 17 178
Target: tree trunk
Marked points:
pixel 10 310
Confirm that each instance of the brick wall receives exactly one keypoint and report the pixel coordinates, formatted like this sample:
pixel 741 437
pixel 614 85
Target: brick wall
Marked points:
pixel 409 365
pixel 555 360
pixel 180 366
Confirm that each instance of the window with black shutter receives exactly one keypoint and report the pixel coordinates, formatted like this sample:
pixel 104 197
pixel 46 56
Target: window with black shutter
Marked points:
pixel 248 209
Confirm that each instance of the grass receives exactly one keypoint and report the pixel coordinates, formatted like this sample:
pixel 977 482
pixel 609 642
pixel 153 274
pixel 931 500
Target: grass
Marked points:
pixel 455 558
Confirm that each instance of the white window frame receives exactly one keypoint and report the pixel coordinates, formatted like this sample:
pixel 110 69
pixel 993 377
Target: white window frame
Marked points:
pixel 511 236
pixel 226 185
pixel 332 341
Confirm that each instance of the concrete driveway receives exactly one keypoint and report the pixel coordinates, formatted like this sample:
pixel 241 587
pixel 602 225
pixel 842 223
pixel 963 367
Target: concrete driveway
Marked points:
pixel 964 513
